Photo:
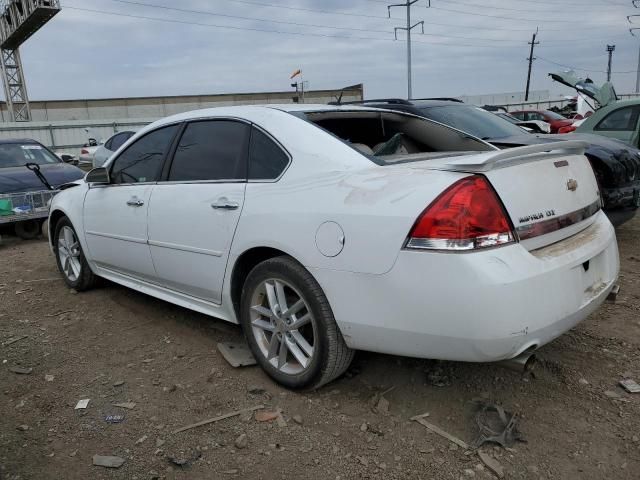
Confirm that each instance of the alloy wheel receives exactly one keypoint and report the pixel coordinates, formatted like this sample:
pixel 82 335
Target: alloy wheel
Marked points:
pixel 283 326
pixel 69 253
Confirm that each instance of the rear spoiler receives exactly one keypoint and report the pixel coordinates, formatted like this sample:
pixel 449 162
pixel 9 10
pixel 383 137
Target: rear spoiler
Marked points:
pixel 485 162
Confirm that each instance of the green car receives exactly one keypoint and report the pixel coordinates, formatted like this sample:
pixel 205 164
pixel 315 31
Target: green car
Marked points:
pixel 614 118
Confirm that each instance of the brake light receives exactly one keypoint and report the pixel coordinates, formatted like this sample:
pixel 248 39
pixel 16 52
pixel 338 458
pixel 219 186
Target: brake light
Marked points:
pixel 567 129
pixel 84 151
pixel 466 216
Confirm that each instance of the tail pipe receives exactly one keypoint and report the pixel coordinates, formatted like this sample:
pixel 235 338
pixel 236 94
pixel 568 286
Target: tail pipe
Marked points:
pixel 523 363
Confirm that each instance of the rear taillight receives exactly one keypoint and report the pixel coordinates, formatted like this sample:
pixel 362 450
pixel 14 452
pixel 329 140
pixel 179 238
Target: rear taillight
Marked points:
pixel 567 129
pixel 84 151
pixel 466 216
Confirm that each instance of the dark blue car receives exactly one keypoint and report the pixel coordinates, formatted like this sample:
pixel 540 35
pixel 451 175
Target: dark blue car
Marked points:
pixel 23 194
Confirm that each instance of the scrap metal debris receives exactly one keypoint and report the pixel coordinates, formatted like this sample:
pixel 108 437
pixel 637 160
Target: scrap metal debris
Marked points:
pixel 237 354
pixel 496 425
pixel 184 462
pixel 421 420
pixel 491 463
pixel 630 386
pixel 127 405
pixel 107 461
pixel 114 418
pixel 14 340
pixel 21 370
pixel 82 404
pixel 217 419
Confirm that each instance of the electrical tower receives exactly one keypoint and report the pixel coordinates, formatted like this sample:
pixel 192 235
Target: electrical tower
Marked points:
pixel 610 50
pixel 408 29
pixel 18 21
pixel 531 58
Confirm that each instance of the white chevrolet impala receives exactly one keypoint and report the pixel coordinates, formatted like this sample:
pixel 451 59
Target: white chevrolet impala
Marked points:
pixel 322 230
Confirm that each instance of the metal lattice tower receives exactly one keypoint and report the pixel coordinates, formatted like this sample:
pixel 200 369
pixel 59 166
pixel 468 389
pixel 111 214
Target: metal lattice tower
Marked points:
pixel 18 21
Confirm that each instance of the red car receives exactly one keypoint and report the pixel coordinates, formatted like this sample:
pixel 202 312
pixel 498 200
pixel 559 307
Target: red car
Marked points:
pixel 556 120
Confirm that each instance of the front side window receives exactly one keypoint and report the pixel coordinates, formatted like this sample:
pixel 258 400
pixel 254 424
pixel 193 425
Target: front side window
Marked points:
pixel 211 150
pixel 623 119
pixel 267 160
pixel 142 161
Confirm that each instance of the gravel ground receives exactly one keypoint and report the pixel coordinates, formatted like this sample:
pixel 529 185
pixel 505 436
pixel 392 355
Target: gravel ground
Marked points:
pixel 113 345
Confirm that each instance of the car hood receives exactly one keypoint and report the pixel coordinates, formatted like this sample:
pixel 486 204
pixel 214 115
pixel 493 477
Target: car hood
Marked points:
pixel 604 95
pixel 21 179
pixel 619 162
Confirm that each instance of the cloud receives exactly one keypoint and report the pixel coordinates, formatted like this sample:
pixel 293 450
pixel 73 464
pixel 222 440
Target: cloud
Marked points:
pixel 87 55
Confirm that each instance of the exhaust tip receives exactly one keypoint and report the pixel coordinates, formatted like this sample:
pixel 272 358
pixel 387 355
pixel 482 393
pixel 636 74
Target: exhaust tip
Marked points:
pixel 523 363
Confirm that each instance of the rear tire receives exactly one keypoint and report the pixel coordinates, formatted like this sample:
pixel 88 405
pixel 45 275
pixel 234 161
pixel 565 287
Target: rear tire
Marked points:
pixel 70 258
pixel 28 230
pixel 314 351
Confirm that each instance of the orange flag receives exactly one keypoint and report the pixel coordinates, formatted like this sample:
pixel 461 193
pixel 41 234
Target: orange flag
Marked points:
pixel 295 74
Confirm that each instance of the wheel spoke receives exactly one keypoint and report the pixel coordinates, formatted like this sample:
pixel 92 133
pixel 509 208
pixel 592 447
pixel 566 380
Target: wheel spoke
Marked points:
pixel 75 266
pixel 271 297
pixel 68 237
pixel 302 342
pixel 282 356
pixel 295 308
pixel 300 322
pixel 282 299
pixel 62 245
pixel 264 325
pixel 265 312
pixel 298 354
pixel 273 347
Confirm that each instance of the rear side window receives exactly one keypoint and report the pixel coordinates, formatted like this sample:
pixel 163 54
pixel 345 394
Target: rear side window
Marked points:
pixel 142 160
pixel 623 119
pixel 267 160
pixel 211 150
pixel 118 140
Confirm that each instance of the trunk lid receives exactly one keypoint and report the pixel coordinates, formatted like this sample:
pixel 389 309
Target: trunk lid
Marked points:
pixel 549 191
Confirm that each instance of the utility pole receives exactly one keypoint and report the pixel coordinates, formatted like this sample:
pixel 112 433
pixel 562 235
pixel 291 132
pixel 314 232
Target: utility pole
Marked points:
pixel 408 29
pixel 531 58
pixel 610 50
pixel 638 73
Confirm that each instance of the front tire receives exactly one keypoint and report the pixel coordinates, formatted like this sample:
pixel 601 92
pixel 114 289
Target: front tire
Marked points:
pixel 70 258
pixel 289 325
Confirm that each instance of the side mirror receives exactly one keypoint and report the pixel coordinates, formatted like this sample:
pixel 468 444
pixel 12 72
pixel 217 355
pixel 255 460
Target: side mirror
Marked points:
pixel 66 158
pixel 98 175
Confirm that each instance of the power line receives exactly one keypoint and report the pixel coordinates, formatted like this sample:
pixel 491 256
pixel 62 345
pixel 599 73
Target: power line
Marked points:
pixel 253 29
pixel 298 24
pixel 588 70
pixel 498 16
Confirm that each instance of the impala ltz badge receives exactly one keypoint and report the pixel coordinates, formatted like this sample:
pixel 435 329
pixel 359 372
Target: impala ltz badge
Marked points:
pixel 572 184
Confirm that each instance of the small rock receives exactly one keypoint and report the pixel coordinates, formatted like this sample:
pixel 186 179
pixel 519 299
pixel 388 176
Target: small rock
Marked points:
pixel 266 416
pixel 583 381
pixel 74 453
pixel 363 427
pixel 469 473
pixel 532 469
pixel 256 390
pixel 118 383
pixel 242 441
pixel 49 378
pixel 159 442
pixel 383 406
pixel 141 439
pixel 362 460
pixel 611 394
pixel 108 462
pixel 73 291
pixel 297 419
pixel 22 428
pixel 233 471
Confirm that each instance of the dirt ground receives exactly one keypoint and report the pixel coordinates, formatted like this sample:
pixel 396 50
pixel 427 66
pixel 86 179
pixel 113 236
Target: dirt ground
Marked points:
pixel 114 345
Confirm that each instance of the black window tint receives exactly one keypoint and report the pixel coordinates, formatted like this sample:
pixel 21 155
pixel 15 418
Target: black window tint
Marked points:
pixel 266 159
pixel 109 144
pixel 142 161
pixel 118 140
pixel 623 119
pixel 211 150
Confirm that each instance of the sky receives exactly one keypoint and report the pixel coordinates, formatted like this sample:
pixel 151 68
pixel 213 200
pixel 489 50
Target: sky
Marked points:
pixel 469 47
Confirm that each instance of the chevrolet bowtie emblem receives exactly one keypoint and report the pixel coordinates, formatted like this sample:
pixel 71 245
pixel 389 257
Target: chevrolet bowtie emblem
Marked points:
pixel 572 185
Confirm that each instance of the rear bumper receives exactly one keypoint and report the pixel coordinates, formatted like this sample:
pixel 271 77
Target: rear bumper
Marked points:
pixel 478 307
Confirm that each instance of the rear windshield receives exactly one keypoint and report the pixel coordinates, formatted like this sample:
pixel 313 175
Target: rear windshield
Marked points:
pixel 554 115
pixel 473 120
pixel 390 137
pixel 19 154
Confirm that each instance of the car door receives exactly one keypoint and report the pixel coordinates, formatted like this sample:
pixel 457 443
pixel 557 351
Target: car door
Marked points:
pixel 194 213
pixel 115 215
pixel 621 123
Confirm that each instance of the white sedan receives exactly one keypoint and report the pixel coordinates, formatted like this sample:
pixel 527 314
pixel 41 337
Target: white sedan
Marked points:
pixel 323 229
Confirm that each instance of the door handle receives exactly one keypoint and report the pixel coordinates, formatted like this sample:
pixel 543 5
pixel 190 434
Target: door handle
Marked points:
pixel 135 202
pixel 224 204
